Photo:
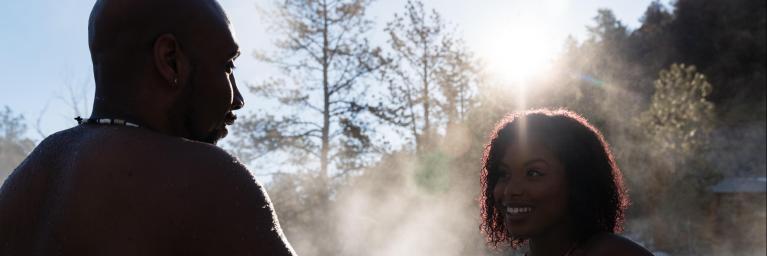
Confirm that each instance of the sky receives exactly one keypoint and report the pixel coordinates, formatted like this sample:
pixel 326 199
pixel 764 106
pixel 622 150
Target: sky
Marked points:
pixel 44 50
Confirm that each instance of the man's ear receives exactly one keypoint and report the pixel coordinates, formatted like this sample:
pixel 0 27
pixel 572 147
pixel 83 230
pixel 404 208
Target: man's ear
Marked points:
pixel 169 60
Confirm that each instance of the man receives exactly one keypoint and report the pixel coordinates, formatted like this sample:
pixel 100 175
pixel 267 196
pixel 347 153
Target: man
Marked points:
pixel 142 176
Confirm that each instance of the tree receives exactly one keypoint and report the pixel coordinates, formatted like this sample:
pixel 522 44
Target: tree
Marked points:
pixel 608 28
pixel 651 48
pixel 325 57
pixel 726 41
pixel 676 129
pixel 431 76
pixel 680 117
pixel 457 81
pixel 14 147
pixel 75 97
pixel 606 43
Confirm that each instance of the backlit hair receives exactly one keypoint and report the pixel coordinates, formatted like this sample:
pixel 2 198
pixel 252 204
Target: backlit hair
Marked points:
pixel 597 196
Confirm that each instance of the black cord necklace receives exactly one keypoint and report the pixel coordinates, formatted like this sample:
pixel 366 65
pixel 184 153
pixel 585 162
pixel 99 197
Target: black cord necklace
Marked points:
pixel 106 121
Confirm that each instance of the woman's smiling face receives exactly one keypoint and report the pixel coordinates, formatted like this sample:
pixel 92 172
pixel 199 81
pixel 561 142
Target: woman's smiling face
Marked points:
pixel 531 191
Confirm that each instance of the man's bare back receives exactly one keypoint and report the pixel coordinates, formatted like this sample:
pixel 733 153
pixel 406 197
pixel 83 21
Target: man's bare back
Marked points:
pixel 163 188
pixel 107 190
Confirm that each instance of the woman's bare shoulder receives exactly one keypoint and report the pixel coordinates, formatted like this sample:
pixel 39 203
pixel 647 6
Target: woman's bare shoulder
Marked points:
pixel 612 244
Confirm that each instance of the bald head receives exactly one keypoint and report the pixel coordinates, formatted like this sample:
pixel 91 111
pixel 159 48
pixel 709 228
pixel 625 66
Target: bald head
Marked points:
pixel 121 33
pixel 112 20
pixel 166 63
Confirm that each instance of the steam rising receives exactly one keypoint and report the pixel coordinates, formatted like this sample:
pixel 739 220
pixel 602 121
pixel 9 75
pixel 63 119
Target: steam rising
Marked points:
pixel 427 206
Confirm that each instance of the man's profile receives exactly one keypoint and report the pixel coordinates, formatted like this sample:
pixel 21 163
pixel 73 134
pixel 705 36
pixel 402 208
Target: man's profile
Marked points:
pixel 141 175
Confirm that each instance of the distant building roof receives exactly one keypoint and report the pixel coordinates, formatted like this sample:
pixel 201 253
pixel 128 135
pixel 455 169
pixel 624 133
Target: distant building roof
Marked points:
pixel 741 185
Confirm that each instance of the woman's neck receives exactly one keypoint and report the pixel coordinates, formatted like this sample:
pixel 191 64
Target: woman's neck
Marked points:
pixel 557 242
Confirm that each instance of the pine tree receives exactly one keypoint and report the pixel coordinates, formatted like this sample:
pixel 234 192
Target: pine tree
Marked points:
pixel 14 146
pixel 324 55
pixel 680 117
pixel 431 77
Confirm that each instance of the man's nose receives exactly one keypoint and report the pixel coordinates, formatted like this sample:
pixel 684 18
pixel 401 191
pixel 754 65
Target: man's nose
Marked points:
pixel 238 101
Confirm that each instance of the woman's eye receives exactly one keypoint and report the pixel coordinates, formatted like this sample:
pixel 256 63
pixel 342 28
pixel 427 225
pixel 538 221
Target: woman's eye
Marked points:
pixel 503 174
pixel 534 173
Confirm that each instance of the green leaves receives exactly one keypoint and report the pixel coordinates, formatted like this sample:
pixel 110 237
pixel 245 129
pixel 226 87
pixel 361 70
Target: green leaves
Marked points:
pixel 680 117
pixel 14 146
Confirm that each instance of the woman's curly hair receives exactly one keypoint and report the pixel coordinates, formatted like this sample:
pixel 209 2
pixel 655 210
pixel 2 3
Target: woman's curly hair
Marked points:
pixel 597 196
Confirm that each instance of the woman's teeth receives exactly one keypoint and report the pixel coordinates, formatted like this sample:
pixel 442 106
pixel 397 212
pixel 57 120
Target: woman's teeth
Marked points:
pixel 518 210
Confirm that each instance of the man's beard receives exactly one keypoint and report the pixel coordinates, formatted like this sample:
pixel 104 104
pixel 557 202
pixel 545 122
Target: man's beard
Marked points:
pixel 211 138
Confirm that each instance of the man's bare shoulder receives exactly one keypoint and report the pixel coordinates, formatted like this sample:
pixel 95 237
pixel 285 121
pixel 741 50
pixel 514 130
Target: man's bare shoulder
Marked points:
pixel 197 156
pixel 223 205
pixel 145 150
pixel 218 172
pixel 176 164
pixel 212 198
pixel 136 165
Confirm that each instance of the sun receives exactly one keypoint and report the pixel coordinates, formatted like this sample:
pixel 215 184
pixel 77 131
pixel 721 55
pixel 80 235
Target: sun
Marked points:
pixel 518 53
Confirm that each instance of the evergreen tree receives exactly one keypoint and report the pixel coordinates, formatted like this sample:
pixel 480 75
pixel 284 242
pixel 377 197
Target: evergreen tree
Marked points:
pixel 677 128
pixel 325 56
pixel 680 117
pixel 431 76
pixel 14 146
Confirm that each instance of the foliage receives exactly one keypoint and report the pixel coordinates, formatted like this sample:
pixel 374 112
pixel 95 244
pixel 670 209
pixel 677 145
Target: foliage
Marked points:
pixel 659 118
pixel 726 41
pixel 680 117
pixel 14 146
pixel 324 55
pixel 608 29
pixel 431 78
pixel 676 130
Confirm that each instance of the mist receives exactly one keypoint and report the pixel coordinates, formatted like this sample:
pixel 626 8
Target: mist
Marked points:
pixel 677 125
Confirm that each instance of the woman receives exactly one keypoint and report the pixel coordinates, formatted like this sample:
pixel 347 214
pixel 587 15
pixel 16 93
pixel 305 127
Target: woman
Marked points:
pixel 549 179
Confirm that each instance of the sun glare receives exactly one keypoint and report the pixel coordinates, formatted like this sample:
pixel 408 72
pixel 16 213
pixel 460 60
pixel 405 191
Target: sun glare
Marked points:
pixel 515 55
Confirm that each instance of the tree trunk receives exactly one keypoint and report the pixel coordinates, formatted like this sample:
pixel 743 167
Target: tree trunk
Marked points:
pixel 413 123
pixel 326 97
pixel 426 133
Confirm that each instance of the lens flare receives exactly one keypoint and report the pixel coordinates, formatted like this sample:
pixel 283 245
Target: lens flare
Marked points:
pixel 517 54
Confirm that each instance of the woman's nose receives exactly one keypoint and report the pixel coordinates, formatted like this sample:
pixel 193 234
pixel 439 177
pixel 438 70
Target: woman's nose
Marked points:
pixel 514 189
